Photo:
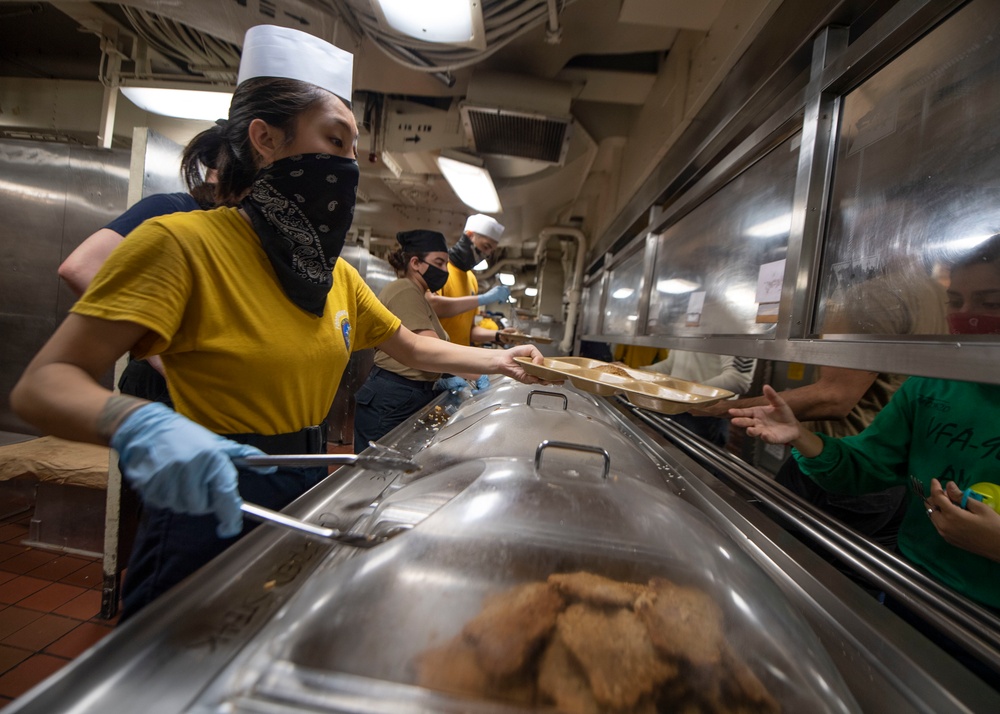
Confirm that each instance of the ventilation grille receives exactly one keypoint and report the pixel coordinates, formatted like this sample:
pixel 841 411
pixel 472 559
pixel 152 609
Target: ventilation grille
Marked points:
pixel 527 136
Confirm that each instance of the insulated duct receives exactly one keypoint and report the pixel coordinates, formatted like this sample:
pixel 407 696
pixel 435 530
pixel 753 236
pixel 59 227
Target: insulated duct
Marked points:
pixel 574 291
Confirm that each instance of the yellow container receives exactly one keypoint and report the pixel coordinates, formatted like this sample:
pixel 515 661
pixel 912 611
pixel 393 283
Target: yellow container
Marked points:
pixel 988 493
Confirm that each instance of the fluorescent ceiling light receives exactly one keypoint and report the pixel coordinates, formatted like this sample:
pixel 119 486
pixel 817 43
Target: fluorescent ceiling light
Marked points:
pixel 180 103
pixel 676 286
pixel 451 22
pixel 622 293
pixel 506 279
pixel 481 265
pixel 774 227
pixel 470 181
pixel 531 292
pixel 512 299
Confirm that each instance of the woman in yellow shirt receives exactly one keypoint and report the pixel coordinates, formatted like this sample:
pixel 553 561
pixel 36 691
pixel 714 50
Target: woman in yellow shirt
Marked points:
pixel 252 311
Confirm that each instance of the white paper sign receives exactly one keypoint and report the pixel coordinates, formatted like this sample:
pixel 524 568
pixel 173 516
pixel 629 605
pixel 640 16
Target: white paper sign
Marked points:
pixel 769 281
pixel 695 305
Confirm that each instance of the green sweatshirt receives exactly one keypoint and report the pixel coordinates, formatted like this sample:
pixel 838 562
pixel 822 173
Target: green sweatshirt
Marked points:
pixel 931 428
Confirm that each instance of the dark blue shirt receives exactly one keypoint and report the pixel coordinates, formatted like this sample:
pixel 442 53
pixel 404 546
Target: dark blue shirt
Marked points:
pixel 159 204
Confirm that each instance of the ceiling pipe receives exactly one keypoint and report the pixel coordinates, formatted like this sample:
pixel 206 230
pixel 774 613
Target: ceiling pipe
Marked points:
pixel 553 32
pixel 574 291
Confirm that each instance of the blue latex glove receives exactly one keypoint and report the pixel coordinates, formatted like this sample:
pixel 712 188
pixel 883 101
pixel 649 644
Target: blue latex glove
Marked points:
pixel 452 384
pixel 176 464
pixel 500 293
pixel 482 383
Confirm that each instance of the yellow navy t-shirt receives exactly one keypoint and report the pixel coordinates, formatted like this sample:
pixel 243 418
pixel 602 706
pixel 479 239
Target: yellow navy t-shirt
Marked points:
pixel 239 356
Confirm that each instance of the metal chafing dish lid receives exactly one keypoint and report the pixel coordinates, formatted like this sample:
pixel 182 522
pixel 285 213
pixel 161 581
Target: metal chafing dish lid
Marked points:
pixel 506 392
pixel 352 639
pixel 515 431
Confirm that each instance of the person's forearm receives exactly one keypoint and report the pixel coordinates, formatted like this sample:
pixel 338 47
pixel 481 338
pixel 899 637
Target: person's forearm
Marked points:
pixel 432 355
pixel 80 267
pixel 451 306
pixel 77 278
pixel 64 401
pixel 59 391
pixel 480 335
pixel 805 402
pixel 808 444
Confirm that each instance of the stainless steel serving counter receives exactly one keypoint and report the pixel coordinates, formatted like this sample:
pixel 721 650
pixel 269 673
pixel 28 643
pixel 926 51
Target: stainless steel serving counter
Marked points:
pixel 230 638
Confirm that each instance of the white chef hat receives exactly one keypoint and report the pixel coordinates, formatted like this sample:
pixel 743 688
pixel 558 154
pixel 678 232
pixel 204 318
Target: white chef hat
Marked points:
pixel 272 51
pixel 484 226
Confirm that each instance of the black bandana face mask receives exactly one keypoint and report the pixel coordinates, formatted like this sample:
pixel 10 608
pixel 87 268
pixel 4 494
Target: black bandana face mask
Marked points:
pixel 301 208
pixel 434 277
pixel 464 253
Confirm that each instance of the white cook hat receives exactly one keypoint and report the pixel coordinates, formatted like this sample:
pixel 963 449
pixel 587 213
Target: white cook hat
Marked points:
pixel 484 226
pixel 272 51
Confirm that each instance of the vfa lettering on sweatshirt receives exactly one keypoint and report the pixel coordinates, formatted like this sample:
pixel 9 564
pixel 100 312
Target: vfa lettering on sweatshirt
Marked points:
pixel 951 435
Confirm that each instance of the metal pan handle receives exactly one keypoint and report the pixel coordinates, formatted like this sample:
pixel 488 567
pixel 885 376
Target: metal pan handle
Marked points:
pixel 574 447
pixel 331 535
pixel 564 398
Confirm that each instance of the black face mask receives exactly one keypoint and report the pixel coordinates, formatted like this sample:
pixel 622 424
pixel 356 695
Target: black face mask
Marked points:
pixel 301 208
pixel 434 277
pixel 464 253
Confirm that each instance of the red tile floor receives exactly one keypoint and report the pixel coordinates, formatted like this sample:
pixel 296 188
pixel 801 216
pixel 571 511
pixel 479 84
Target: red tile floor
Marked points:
pixel 49 607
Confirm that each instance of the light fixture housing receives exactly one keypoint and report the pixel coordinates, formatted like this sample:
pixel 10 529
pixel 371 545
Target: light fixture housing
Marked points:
pixel 469 179
pixel 183 102
pixel 451 22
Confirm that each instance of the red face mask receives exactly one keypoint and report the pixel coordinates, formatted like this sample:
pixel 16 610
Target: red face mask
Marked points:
pixel 964 323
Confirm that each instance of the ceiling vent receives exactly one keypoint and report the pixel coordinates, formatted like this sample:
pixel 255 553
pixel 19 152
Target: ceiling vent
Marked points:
pixel 518 116
pixel 501 132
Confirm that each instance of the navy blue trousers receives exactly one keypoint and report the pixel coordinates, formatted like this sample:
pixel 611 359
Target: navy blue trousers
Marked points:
pixel 170 546
pixel 383 403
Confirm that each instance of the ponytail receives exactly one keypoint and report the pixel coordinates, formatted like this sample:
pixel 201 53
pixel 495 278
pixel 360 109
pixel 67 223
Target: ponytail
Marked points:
pixel 400 260
pixel 202 153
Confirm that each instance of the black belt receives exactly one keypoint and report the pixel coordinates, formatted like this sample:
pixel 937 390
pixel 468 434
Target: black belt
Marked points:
pixel 400 379
pixel 311 440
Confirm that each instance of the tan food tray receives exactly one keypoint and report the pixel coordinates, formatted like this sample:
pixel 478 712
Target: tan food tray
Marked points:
pixel 649 390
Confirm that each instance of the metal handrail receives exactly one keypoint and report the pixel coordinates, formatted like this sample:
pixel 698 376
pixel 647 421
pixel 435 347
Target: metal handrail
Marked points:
pixel 968 624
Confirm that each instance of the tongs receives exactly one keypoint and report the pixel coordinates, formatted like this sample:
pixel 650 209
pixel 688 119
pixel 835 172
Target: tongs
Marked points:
pixel 355 540
pixel 384 458
pixel 377 462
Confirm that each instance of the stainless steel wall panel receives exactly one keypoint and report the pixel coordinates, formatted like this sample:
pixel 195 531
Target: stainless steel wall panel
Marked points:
pixel 718 249
pixel 36 182
pixel 23 336
pixel 625 289
pixel 593 303
pixel 161 162
pixel 52 196
pixel 98 185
